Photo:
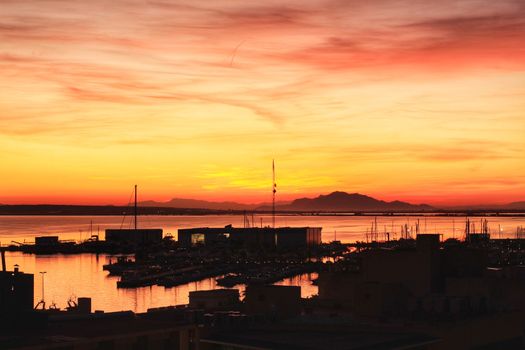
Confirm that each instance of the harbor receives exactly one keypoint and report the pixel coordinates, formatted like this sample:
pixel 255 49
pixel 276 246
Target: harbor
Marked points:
pixel 380 284
pixel 82 274
pixel 72 274
pixel 251 276
pixel 344 228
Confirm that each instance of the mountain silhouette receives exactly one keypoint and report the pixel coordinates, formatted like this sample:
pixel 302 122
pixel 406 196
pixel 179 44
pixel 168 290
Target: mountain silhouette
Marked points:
pixel 342 201
pixel 335 201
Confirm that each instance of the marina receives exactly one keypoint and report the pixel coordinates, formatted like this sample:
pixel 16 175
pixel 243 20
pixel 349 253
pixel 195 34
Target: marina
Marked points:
pixel 81 274
pixel 344 228
pixel 98 274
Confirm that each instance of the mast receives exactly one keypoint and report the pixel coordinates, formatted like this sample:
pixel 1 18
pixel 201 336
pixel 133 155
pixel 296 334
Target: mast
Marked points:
pixel 273 193
pixel 135 207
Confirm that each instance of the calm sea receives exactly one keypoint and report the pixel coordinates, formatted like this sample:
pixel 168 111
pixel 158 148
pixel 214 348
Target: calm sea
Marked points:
pixel 70 276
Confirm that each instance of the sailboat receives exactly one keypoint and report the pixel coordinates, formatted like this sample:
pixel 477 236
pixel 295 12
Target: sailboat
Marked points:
pixel 134 237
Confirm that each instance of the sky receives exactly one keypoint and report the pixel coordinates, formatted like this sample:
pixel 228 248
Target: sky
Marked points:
pixel 416 100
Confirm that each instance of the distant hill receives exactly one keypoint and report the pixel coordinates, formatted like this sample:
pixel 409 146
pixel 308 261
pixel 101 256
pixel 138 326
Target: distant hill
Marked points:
pixel 335 201
pixel 197 204
pixel 342 201
pixel 201 204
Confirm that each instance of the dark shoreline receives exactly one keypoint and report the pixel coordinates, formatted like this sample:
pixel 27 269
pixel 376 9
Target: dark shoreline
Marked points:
pixel 109 210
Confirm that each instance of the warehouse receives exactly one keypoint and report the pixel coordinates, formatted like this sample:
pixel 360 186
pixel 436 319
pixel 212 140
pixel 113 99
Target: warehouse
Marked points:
pixel 134 237
pixel 252 237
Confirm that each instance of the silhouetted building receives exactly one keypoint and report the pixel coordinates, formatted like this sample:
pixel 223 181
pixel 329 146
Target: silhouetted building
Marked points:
pixel 133 237
pixel 315 335
pixel 46 241
pixel 479 237
pixel 448 290
pixel 16 292
pixel 278 301
pixel 159 329
pixel 393 282
pixel 215 299
pixel 252 237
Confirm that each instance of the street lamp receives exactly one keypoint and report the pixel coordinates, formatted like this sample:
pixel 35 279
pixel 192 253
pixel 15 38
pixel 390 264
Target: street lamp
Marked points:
pixel 43 301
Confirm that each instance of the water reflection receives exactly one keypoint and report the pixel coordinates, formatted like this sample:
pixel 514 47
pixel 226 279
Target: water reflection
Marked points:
pixel 344 228
pixel 81 275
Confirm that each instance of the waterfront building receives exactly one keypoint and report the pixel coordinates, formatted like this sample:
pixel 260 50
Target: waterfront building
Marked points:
pixel 16 291
pixel 42 241
pixel 133 237
pixel 252 237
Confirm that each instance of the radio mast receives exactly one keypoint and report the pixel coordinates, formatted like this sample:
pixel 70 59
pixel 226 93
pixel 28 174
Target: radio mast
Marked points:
pixel 274 189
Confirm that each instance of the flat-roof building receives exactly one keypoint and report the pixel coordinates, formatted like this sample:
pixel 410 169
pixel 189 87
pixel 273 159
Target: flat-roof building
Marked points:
pixel 215 299
pixel 134 237
pixel 16 291
pixel 284 301
pixel 46 240
pixel 252 237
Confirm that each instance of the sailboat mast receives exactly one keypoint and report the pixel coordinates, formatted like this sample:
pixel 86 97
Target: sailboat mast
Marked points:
pixel 135 207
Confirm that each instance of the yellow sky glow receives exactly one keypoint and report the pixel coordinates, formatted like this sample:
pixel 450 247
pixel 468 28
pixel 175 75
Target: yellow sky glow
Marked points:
pixel 408 100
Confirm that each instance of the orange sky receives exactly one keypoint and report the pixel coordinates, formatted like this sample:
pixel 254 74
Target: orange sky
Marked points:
pixel 412 100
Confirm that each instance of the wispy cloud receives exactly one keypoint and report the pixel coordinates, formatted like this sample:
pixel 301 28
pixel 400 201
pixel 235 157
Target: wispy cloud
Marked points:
pixel 434 86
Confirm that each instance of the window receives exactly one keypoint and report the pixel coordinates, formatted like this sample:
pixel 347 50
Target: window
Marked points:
pixel 197 238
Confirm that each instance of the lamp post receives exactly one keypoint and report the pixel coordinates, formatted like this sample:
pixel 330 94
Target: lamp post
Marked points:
pixel 43 273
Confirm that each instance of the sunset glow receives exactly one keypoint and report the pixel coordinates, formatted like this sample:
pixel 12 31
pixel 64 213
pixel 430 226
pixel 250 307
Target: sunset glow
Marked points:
pixel 422 102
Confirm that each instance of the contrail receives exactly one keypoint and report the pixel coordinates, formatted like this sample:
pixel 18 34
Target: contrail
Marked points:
pixel 235 52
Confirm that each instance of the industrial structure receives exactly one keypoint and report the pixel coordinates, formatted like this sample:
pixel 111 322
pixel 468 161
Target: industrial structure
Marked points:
pixel 252 237
pixel 16 290
pixel 135 237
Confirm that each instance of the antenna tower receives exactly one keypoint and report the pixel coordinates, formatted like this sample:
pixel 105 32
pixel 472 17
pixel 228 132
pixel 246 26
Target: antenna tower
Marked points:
pixel 274 190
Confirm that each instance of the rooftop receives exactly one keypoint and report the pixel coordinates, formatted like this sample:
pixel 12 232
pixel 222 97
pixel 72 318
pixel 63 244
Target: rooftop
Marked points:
pixel 278 338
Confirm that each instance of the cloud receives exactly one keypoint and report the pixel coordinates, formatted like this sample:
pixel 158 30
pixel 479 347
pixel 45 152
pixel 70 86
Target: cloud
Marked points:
pixel 442 151
pixel 433 85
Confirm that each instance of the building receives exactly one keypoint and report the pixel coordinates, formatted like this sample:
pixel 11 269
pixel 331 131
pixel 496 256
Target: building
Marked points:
pixel 133 237
pixel 394 282
pixel 155 330
pixel 252 237
pixel 444 290
pixel 16 299
pixel 47 241
pixel 317 335
pixel 215 299
pixel 278 301
pixel 16 290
